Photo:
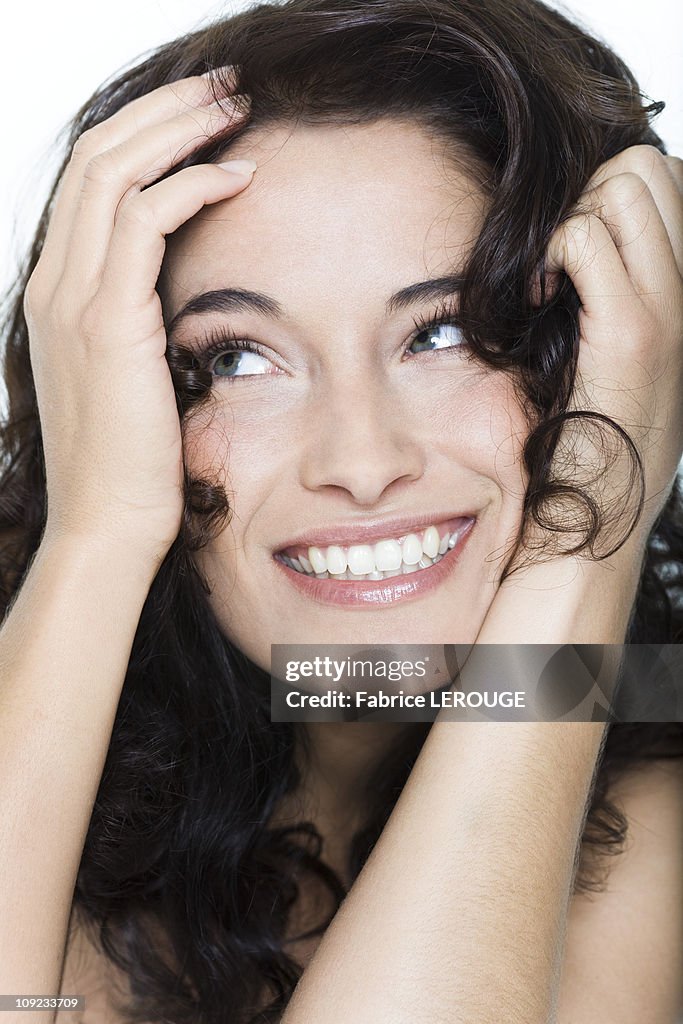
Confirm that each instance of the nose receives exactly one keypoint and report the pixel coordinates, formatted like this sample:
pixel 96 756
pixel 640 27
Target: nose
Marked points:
pixel 362 439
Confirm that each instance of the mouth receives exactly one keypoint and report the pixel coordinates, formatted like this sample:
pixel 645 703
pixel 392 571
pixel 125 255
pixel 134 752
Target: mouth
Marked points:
pixel 391 569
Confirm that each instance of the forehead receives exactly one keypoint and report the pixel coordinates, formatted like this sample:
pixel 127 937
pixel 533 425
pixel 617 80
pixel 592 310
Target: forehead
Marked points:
pixel 331 209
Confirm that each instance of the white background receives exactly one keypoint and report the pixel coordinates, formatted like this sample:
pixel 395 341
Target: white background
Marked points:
pixel 54 54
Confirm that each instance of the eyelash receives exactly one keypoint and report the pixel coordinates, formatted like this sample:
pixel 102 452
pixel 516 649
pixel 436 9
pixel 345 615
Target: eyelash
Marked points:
pixel 446 313
pixel 221 340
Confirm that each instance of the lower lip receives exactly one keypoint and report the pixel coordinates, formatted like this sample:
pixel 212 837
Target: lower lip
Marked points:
pixel 369 594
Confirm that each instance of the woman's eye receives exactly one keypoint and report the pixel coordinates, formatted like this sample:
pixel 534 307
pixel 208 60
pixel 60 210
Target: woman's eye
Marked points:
pixel 238 363
pixel 438 336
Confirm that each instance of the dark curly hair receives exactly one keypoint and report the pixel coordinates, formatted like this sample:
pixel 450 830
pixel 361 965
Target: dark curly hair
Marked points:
pixel 179 843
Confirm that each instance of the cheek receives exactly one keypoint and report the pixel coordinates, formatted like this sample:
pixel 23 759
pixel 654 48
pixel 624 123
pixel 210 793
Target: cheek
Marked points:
pixel 476 421
pixel 237 448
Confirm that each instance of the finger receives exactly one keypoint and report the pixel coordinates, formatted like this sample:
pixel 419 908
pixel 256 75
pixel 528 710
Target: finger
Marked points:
pixel 126 168
pixel 663 176
pixel 627 208
pixel 152 108
pixel 139 238
pixel 584 249
pixel 626 205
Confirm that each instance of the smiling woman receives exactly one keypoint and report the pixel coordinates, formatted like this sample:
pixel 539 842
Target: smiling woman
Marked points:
pixel 347 322
pixel 362 340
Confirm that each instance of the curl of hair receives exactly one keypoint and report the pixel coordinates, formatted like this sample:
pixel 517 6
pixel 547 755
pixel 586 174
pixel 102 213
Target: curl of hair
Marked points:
pixel 182 881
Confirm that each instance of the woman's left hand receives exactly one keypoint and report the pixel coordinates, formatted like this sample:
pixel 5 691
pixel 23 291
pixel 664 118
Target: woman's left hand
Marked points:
pixel 623 250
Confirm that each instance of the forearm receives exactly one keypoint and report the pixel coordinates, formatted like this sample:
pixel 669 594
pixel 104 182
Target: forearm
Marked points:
pixel 460 912
pixel 64 649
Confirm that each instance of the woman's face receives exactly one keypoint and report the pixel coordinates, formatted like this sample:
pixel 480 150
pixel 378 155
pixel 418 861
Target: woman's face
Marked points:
pixel 352 428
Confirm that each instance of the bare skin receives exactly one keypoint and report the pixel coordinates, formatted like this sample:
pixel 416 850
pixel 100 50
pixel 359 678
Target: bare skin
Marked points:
pixel 366 967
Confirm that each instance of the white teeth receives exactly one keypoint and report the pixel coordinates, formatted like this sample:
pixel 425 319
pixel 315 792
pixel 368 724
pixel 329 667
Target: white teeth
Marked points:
pixel 387 555
pixel 411 549
pixel 336 560
pixel 377 574
pixel 386 558
pixel 317 560
pixel 361 559
pixel 430 541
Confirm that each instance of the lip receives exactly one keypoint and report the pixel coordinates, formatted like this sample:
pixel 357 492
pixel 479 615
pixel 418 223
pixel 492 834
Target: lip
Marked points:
pixel 371 530
pixel 374 594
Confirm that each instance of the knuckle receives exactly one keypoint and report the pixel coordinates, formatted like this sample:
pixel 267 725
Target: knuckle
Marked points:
pixel 136 212
pixel 644 160
pixel 579 239
pixel 102 169
pixel 623 190
pixel 88 143
pixel 577 228
pixel 35 294
pixel 641 160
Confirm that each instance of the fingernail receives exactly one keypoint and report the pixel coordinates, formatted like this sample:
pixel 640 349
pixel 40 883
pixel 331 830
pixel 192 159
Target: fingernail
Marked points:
pixel 239 166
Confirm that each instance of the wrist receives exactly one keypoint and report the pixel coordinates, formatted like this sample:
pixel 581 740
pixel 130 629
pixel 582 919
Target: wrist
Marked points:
pixel 135 562
pixel 566 600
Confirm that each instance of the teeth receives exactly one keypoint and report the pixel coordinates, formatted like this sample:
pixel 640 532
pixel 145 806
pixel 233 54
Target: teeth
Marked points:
pixel 361 559
pixel 317 560
pixel 336 560
pixel 430 542
pixel 385 559
pixel 387 555
pixel 377 574
pixel 411 549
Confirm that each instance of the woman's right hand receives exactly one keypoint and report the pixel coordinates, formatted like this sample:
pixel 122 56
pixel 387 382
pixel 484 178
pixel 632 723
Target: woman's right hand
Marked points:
pixel 110 426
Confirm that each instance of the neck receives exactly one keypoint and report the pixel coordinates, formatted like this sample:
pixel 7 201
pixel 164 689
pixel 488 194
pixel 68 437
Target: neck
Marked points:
pixel 336 761
pixel 343 756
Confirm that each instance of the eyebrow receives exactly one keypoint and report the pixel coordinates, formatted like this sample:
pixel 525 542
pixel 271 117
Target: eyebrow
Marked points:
pixel 237 300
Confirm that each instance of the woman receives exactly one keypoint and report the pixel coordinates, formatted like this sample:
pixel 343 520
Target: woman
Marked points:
pixel 474 177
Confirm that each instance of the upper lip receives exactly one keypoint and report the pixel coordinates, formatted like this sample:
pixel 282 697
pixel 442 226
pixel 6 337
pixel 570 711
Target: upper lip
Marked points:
pixel 370 530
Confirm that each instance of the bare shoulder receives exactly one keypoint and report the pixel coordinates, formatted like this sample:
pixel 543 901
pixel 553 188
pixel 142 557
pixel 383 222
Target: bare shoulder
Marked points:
pixel 89 973
pixel 624 946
